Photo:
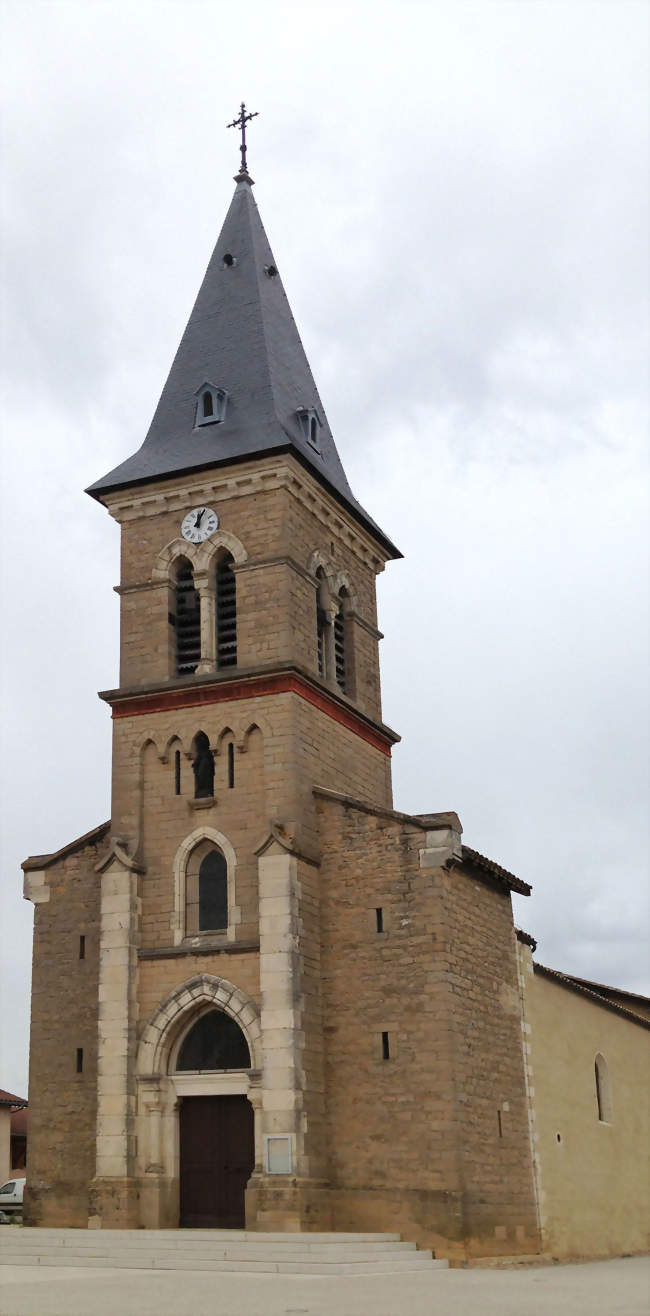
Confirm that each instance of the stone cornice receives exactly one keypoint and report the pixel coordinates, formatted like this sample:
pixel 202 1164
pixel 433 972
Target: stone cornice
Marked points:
pixel 281 472
pixel 137 700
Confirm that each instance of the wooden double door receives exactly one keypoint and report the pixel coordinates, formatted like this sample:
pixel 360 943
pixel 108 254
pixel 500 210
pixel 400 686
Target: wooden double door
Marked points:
pixel 217 1152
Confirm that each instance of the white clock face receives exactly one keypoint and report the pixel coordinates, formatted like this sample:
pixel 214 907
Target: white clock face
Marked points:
pixel 199 524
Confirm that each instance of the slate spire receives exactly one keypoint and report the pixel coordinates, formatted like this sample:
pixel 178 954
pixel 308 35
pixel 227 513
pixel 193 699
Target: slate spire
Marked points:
pixel 241 338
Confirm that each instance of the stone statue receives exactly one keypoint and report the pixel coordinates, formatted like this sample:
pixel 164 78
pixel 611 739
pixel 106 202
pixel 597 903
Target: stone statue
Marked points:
pixel 203 768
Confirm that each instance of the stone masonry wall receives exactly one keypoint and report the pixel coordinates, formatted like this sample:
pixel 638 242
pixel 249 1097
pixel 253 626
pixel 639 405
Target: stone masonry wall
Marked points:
pixel 414 1139
pixel 62 1103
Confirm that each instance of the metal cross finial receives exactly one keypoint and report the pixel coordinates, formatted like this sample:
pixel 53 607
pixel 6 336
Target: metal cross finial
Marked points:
pixel 241 122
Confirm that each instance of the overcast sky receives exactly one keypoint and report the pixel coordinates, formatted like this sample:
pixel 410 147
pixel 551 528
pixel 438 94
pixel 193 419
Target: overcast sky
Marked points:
pixel 456 197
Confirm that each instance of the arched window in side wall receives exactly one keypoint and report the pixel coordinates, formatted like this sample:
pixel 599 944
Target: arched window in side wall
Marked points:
pixel 186 620
pixel 226 613
pixel 603 1090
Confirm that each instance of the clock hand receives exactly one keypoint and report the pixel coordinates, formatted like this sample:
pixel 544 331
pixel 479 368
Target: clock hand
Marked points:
pixel 199 518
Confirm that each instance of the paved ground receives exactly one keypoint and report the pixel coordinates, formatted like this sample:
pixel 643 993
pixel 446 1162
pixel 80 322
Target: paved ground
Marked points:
pixel 598 1288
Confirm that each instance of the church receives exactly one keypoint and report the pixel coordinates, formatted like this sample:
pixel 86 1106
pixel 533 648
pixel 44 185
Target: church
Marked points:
pixel 262 997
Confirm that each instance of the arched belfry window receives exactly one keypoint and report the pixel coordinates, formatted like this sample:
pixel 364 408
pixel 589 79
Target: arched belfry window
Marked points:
pixel 603 1090
pixel 215 1042
pixel 186 618
pixel 321 621
pixel 226 612
pixel 340 641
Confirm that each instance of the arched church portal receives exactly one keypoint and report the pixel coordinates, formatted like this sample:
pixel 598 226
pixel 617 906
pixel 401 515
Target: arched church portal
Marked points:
pixel 199 1107
pixel 216 1132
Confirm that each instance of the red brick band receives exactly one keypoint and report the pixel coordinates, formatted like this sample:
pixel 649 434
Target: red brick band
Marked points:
pixel 253 688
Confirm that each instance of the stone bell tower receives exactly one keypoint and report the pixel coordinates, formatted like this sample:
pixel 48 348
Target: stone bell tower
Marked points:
pixel 249 675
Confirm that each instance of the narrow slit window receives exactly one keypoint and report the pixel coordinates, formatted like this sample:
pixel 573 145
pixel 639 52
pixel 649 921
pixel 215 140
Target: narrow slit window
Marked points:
pixel 208 406
pixel 379 916
pixel 385 1047
pixel 603 1090
pixel 80 1060
pixel 500 1123
pixel 82 947
pixel 177 771
pixel 231 765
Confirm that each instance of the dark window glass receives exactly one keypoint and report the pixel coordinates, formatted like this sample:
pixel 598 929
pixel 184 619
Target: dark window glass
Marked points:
pixel 80 1059
pixel 213 892
pixel 380 919
pixel 177 771
pixel 231 765
pixel 208 409
pixel 385 1048
pixel 215 1042
pixel 82 947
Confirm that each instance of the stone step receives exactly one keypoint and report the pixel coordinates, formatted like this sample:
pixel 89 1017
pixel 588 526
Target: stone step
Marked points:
pixel 124 1256
pixel 187 1235
pixel 380 1266
pixel 145 1240
pixel 213 1250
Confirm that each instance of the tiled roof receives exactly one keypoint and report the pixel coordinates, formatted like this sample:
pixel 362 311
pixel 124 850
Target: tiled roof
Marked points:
pixel 573 985
pixel 9 1099
pixel 496 871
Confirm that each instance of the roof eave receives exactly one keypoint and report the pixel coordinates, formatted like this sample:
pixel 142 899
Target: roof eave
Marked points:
pixel 97 491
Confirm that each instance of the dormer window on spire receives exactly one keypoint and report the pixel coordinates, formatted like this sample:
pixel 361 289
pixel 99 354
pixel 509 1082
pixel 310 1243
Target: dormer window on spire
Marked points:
pixel 310 423
pixel 211 405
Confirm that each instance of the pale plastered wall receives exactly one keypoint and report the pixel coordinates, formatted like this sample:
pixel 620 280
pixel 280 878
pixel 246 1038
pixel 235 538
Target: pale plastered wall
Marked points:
pixel 594 1181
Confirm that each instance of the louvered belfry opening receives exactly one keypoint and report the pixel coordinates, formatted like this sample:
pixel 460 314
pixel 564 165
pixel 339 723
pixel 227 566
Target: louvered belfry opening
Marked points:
pixel 320 622
pixel 187 620
pixel 339 641
pixel 226 612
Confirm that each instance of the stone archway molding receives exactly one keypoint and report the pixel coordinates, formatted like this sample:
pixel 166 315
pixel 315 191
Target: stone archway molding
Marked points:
pixel 162 1029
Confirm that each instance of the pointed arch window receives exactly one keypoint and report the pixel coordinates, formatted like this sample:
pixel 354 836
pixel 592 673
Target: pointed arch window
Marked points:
pixel 186 620
pixel 226 612
pixel 215 1042
pixel 206 891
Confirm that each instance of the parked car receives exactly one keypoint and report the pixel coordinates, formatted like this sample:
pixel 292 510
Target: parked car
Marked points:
pixel 11 1195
